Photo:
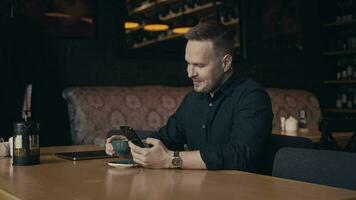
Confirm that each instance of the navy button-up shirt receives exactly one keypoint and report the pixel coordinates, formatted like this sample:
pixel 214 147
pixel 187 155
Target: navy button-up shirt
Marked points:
pixel 231 129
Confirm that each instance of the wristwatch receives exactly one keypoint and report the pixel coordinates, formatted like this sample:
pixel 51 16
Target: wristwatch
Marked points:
pixel 176 160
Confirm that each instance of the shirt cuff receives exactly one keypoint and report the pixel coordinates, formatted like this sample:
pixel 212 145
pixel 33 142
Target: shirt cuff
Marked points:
pixel 212 157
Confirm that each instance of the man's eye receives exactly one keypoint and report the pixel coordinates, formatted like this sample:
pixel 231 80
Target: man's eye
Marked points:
pixel 196 65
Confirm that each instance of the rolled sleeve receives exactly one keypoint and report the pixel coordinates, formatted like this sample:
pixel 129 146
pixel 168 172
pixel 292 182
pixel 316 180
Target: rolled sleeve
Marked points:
pixel 171 135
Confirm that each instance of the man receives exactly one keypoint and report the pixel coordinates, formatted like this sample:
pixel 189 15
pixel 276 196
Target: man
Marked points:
pixel 225 122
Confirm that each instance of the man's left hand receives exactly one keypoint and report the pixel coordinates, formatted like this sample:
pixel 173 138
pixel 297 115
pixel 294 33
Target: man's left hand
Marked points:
pixel 158 156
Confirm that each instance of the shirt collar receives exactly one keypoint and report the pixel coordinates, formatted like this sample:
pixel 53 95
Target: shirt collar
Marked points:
pixel 227 87
pixel 230 84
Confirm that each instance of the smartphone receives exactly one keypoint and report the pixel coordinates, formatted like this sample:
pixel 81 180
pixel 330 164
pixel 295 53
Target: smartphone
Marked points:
pixel 131 135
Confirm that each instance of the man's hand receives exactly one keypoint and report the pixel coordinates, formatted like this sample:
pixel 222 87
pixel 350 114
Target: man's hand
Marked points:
pixel 157 156
pixel 108 145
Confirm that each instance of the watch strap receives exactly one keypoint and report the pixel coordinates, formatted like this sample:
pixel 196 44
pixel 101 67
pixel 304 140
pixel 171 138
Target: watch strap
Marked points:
pixel 176 160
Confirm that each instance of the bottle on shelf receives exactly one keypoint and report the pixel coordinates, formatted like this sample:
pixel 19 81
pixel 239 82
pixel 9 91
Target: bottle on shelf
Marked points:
pixel 349 98
pixel 346 69
pixel 354 98
pixel 343 98
pixel 302 123
pixel 348 10
pixel 354 75
pixel 344 11
pixel 344 74
pixel 339 11
pixel 338 76
pixel 283 123
pixel 342 42
pixel 339 63
pixel 338 101
pixel 352 63
pixel 349 72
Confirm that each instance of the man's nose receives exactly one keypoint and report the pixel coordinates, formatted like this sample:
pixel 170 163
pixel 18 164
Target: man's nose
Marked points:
pixel 191 72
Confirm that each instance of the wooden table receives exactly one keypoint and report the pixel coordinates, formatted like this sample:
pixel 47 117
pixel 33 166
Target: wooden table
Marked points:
pixel 314 135
pixel 56 178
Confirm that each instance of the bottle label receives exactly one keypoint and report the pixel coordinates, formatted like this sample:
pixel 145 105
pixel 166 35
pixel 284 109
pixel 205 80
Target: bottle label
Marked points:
pixel 34 141
pixel 34 145
pixel 18 142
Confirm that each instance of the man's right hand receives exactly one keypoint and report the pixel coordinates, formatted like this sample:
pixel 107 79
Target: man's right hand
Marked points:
pixel 108 145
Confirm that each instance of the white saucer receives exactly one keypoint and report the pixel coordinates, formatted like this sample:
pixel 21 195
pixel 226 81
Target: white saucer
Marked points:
pixel 122 163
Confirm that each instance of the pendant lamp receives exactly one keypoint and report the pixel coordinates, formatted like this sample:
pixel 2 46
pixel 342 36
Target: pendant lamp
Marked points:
pixel 129 25
pixel 182 26
pixel 154 24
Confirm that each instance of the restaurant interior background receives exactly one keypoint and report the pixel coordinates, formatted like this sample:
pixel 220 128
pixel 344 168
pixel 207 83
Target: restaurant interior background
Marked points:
pixel 61 43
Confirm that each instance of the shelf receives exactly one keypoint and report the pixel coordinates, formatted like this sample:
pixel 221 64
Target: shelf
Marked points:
pixel 149 42
pixel 190 11
pixel 340 110
pixel 150 6
pixel 339 23
pixel 333 53
pixel 340 82
pixel 232 22
pixel 229 23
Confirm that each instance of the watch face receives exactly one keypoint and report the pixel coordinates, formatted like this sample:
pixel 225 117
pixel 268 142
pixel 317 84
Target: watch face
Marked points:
pixel 177 162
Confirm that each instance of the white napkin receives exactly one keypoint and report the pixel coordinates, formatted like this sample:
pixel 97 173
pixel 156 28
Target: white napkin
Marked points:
pixel 4 149
pixel 291 124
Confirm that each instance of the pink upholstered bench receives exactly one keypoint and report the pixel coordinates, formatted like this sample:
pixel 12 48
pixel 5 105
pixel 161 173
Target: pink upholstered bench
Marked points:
pixel 94 111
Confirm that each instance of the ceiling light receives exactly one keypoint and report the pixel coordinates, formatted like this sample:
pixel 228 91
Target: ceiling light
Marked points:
pixel 131 25
pixel 180 30
pixel 156 27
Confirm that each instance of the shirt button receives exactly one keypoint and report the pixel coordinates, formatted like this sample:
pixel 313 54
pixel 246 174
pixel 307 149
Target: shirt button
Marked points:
pixel 203 126
pixel 210 104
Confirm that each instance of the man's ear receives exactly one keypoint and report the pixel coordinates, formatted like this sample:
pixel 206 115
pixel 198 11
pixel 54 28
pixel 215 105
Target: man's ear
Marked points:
pixel 227 62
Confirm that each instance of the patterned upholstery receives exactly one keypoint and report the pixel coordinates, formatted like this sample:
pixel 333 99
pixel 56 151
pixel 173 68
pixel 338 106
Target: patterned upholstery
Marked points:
pixel 93 111
pixel 286 102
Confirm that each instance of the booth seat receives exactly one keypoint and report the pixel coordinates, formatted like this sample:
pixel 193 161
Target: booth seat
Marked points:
pixel 94 111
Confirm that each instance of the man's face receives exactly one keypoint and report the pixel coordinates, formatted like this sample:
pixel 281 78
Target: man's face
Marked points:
pixel 204 67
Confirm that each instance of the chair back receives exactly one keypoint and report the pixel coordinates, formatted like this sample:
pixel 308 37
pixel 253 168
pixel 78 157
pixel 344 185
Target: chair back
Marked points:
pixel 277 142
pixel 333 168
pixel 331 126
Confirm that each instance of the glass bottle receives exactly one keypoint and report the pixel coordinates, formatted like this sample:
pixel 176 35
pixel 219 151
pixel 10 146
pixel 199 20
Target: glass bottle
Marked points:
pixel 338 101
pixel 302 123
pixel 349 98
pixel 26 150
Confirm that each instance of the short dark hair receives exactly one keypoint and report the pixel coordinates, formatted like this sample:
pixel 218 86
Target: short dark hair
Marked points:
pixel 220 35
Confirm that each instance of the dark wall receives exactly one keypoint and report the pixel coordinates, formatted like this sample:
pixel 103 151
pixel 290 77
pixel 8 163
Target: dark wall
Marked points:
pixel 56 63
pixel 284 61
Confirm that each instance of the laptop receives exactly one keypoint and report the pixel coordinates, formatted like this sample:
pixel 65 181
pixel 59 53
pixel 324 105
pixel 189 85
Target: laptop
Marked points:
pixel 82 155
